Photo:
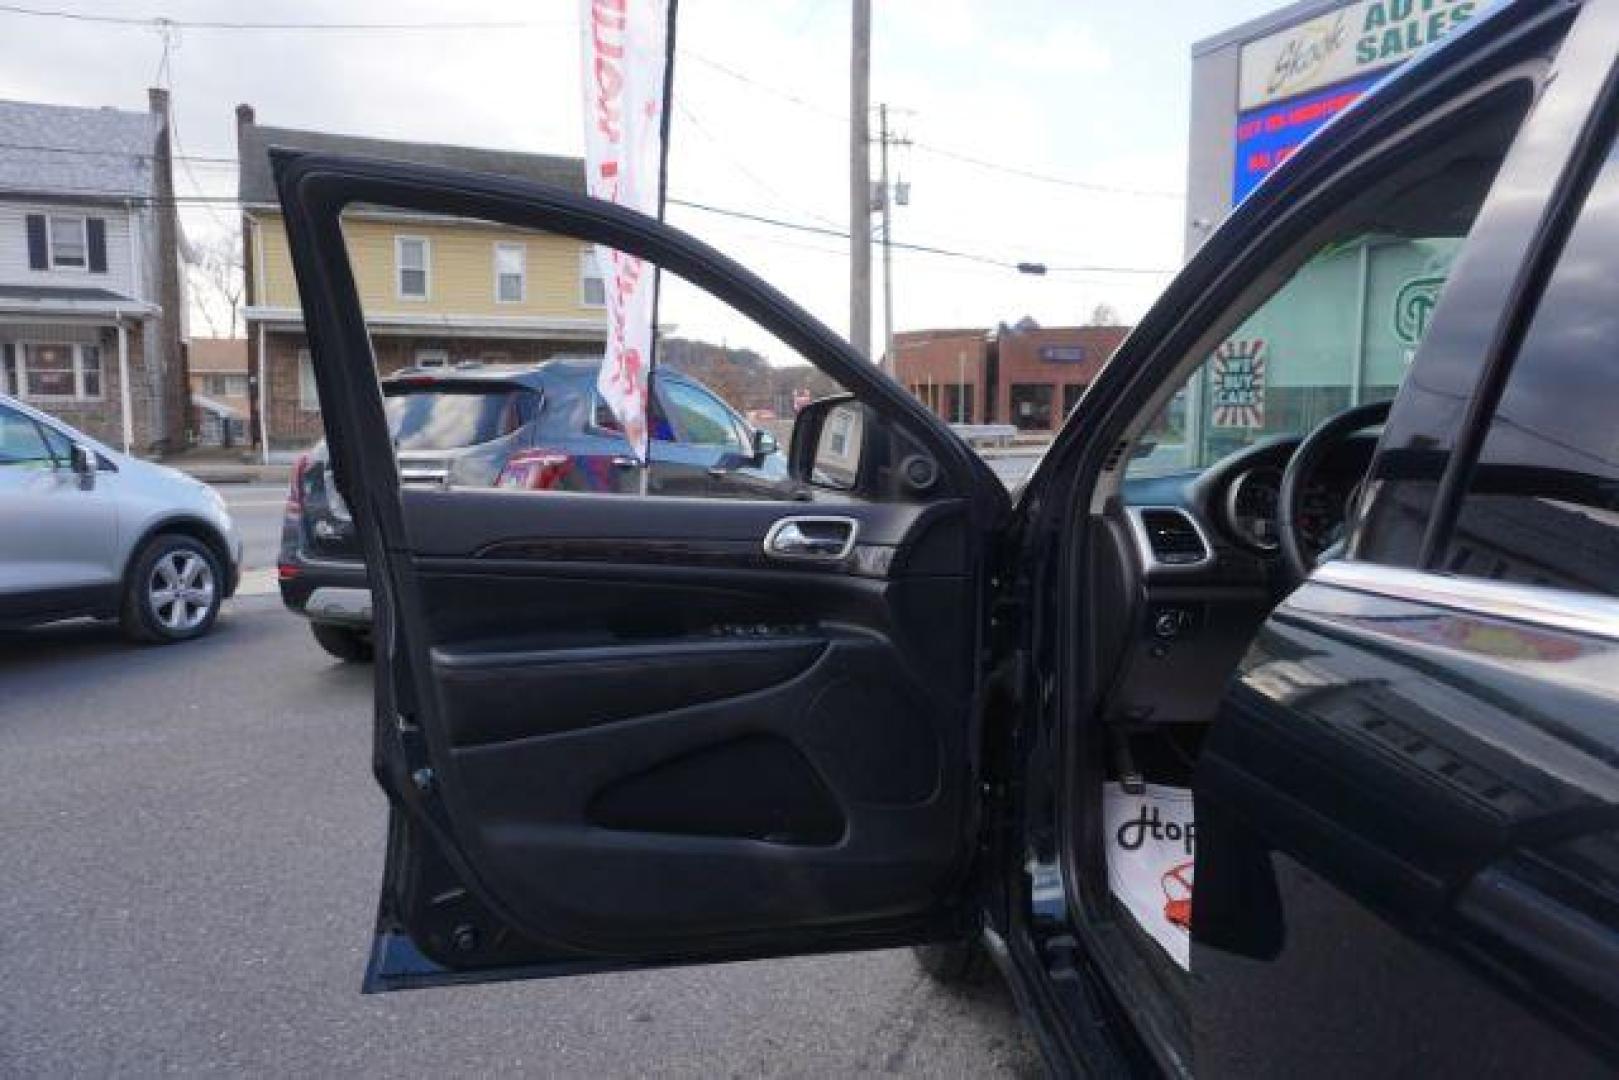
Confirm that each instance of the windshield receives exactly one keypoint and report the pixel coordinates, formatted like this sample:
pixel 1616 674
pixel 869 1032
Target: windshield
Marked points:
pixel 449 419
pixel 1341 332
pixel 1344 326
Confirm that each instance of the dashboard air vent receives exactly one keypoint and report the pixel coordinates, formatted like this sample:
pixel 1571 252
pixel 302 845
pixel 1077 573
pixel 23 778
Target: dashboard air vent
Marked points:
pixel 1174 539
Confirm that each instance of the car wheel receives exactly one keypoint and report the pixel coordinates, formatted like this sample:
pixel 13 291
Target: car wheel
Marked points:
pixel 954 963
pixel 173 590
pixel 347 644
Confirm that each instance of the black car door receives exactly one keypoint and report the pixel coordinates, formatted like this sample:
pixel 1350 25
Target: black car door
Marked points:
pixel 623 730
pixel 1408 809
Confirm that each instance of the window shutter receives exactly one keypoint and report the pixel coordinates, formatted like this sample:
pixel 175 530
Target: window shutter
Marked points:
pixel 96 232
pixel 37 259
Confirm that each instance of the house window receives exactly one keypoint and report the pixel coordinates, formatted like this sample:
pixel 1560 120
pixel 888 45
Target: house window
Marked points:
pixel 225 385
pixel 69 242
pixel 411 254
pixel 52 372
pixel 308 392
pixel 510 264
pixel 592 286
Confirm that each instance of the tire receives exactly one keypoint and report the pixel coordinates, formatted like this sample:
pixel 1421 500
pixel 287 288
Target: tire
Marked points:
pixel 172 591
pixel 955 964
pixel 344 642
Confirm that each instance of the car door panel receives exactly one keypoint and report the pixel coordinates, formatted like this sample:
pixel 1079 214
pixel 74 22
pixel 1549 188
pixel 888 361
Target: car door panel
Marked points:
pixel 602 714
pixel 1409 777
pixel 619 730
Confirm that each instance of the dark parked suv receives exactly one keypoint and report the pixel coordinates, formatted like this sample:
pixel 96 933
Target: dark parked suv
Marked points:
pixel 541 428
pixel 1289 748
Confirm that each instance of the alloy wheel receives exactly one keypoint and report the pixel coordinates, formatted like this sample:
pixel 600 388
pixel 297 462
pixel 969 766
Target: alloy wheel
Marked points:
pixel 181 590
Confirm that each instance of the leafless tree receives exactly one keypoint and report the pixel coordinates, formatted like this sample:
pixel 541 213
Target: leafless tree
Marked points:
pixel 1103 314
pixel 217 282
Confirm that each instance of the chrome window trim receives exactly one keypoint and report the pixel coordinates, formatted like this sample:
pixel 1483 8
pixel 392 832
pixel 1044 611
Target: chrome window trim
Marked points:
pixel 1149 558
pixel 1565 609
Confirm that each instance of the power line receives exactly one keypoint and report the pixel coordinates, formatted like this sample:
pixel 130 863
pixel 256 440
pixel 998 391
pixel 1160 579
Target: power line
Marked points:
pixel 153 21
pixel 690 204
pixel 161 22
pixel 935 149
pixel 40 147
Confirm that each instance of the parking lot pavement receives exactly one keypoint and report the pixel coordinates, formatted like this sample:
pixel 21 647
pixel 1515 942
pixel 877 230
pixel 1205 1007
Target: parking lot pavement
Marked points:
pixel 191 844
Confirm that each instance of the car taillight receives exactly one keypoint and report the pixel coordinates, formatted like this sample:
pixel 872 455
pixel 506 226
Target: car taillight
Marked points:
pixel 534 470
pixel 295 497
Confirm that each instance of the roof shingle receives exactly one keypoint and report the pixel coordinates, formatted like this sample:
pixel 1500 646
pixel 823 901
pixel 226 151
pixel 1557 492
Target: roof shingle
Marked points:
pixel 84 153
pixel 257 185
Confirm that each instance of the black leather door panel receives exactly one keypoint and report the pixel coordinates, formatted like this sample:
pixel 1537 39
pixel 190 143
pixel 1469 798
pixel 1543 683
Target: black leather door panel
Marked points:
pixel 494 695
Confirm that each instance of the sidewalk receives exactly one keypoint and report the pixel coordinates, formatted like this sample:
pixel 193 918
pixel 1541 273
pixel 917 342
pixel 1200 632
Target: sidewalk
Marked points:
pixel 230 467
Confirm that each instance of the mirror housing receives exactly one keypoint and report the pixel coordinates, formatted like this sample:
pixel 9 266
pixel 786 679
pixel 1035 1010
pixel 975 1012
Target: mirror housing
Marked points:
pixel 764 444
pixel 832 443
pixel 83 460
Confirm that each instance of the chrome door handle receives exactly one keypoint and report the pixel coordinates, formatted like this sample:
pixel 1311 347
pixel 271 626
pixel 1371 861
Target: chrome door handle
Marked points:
pixel 825 538
pixel 625 461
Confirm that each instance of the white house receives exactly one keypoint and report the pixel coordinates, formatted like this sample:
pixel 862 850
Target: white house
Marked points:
pixel 90 293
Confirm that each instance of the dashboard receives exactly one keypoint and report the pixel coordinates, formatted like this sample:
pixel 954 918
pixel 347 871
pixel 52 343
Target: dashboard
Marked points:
pixel 1198 567
pixel 1236 499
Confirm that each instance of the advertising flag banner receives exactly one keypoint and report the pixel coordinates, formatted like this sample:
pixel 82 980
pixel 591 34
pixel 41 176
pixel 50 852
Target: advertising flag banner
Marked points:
pixel 625 54
pixel 1151 842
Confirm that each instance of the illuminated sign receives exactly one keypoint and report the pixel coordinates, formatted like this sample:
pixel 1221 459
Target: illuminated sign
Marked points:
pixel 1267 137
pixel 1292 82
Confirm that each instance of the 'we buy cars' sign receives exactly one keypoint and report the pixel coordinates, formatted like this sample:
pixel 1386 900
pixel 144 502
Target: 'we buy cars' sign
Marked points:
pixel 625 56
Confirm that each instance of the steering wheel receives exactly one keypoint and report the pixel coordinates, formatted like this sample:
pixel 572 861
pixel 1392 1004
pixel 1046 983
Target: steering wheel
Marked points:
pixel 1301 469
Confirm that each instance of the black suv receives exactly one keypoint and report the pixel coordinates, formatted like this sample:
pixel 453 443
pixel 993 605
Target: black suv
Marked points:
pixel 1340 653
pixel 541 428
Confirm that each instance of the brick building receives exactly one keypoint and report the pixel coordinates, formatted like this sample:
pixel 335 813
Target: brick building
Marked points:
pixel 1025 374
pixel 436 290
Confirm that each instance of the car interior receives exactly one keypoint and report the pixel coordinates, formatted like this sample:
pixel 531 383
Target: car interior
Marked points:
pixel 698 727
pixel 1200 528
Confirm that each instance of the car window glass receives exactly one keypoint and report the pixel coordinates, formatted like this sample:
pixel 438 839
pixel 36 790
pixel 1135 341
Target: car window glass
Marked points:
pixel 1344 324
pixel 432 417
pixel 657 422
pixel 725 393
pixel 21 443
pixel 700 420
pixel 61 447
pixel 1542 501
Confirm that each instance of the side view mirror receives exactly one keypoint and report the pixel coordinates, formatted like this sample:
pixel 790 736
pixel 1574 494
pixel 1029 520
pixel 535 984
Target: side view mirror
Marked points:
pixel 83 460
pixel 764 444
pixel 829 443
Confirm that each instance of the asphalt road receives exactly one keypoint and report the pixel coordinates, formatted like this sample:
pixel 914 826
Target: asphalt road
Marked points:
pixel 256 509
pixel 191 843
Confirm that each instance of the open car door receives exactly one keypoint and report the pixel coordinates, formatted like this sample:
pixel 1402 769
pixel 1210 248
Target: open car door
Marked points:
pixel 620 730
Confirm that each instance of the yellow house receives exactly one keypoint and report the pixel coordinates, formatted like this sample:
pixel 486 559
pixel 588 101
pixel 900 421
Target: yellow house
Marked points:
pixel 436 290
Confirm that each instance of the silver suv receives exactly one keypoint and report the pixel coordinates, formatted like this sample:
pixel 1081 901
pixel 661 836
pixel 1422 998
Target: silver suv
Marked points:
pixel 87 531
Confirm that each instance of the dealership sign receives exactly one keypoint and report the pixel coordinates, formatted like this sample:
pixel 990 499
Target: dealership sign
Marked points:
pixel 1355 40
pixel 1292 82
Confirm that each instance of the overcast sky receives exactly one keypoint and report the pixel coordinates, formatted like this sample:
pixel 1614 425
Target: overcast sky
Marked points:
pixel 1094 93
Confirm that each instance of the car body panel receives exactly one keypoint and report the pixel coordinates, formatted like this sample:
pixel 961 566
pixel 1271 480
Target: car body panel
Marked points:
pixel 71 560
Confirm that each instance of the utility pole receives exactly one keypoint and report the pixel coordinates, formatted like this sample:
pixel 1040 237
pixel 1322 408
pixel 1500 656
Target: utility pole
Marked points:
pixel 860 180
pixel 888 248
